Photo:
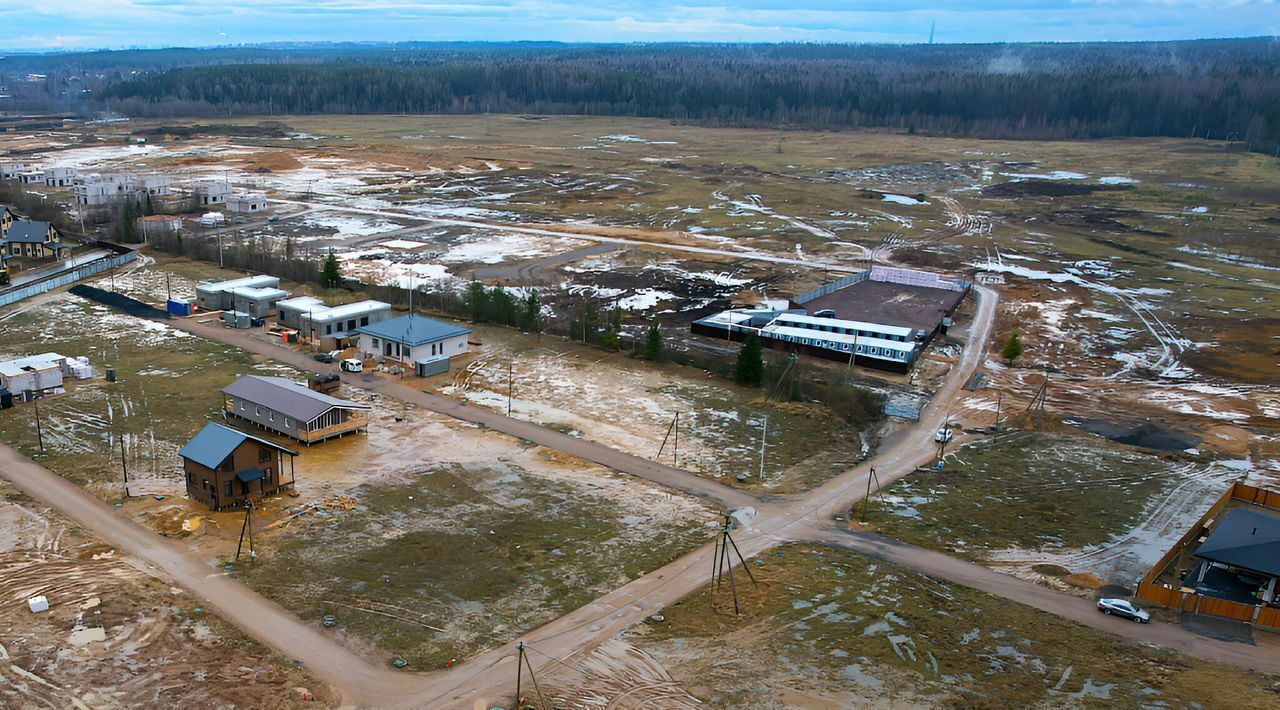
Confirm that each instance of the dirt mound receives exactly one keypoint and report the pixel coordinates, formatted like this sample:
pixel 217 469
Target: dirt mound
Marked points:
pixel 273 161
pixel 1083 579
pixel 1155 434
pixel 1050 570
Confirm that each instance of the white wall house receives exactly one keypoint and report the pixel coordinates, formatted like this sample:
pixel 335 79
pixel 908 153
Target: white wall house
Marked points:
pixel 60 176
pixel 246 202
pixel 211 192
pixel 412 338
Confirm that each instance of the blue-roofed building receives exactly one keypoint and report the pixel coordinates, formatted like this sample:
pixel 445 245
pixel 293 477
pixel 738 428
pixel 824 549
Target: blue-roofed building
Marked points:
pixel 417 342
pixel 226 467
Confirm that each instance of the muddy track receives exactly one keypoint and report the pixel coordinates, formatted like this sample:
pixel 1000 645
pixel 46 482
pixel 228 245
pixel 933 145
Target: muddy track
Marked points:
pixel 806 517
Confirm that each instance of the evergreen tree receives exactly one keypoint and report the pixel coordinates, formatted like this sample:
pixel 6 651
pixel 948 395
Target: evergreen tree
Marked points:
pixel 610 338
pixel 653 343
pixel 586 325
pixel 531 319
pixel 750 368
pixel 1012 348
pixel 330 274
pixel 478 301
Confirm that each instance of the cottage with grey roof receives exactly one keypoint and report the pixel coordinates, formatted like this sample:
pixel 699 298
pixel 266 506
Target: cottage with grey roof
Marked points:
pixel 225 467
pixel 292 409
pixel 36 240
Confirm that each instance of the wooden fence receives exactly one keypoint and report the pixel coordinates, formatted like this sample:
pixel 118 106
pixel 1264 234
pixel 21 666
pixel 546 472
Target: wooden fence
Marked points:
pixel 1194 603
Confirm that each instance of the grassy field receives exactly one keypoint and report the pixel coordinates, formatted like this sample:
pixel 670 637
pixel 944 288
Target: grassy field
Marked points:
pixel 1034 491
pixel 833 629
pixel 481 554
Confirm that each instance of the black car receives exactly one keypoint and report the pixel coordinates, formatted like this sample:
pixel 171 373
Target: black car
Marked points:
pixel 323 357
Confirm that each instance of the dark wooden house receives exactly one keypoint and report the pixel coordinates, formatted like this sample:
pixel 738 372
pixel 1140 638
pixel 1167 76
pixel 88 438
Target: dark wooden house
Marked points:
pixel 226 468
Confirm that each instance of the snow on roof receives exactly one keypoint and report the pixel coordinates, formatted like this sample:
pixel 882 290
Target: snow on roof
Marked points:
pixel 261 280
pixel 350 310
pixel 42 361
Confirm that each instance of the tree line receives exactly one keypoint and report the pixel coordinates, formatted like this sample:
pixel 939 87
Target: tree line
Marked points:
pixel 1216 89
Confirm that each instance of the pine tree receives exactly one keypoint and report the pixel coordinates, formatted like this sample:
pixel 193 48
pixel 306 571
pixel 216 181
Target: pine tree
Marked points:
pixel 330 274
pixel 1012 348
pixel 750 368
pixel 610 338
pixel 653 343
pixel 532 317
pixel 478 300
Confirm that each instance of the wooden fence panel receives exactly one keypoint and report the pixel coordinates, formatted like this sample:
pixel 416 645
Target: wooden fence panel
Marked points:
pixel 1226 609
pixel 1269 617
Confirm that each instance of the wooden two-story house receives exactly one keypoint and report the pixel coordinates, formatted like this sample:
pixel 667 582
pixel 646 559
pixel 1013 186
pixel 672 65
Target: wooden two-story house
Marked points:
pixel 226 468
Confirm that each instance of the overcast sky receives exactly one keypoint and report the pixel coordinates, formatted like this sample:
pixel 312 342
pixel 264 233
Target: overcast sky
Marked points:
pixel 73 24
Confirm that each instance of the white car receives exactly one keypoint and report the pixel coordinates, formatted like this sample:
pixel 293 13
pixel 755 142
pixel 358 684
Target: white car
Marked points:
pixel 351 364
pixel 1122 608
pixel 944 435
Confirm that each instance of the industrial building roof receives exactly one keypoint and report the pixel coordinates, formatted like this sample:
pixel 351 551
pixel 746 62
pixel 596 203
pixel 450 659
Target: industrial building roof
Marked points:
pixel 350 310
pixel 413 330
pixel 43 361
pixel 215 442
pixel 259 294
pixel 260 281
pixel 25 232
pixel 286 397
pixel 842 323
pixel 301 303
pixel 1245 538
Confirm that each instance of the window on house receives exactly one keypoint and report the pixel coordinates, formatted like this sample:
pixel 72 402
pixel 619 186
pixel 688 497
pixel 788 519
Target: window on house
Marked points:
pixel 241 405
pixel 264 454
pixel 288 422
pixel 406 351
pixel 364 321
pixel 257 411
pixel 375 344
pixel 191 479
pixel 271 416
pixel 227 488
pixel 226 465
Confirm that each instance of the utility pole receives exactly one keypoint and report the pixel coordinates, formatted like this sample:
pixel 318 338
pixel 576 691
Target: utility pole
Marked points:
pixel 522 662
pixel 247 525
pixel 124 464
pixel 221 263
pixel 510 388
pixel 998 397
pixel 764 434
pixel 871 476
pixel 39 429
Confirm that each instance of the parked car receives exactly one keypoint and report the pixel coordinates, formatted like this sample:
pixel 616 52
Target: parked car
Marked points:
pixel 351 364
pixel 323 357
pixel 944 435
pixel 1122 608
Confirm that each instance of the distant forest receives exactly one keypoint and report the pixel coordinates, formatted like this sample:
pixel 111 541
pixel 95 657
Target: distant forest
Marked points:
pixel 1220 89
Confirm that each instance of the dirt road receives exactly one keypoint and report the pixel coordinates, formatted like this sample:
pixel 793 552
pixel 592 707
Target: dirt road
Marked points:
pixel 807 517
pixel 726 497
pixel 355 678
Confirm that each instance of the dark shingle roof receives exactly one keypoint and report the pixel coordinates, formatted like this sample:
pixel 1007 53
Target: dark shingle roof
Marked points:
pixel 286 397
pixel 24 232
pixel 1245 538
pixel 413 330
pixel 215 442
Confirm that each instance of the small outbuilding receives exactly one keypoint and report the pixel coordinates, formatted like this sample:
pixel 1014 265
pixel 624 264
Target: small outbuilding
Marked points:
pixel 225 467
pixel 220 295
